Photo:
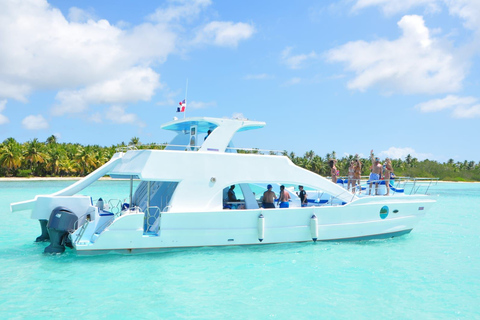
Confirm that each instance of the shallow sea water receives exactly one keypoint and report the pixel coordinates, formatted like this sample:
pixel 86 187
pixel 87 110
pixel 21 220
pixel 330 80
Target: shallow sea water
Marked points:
pixel 432 273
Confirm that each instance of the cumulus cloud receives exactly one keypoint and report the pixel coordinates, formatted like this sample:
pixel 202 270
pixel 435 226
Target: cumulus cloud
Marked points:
pixel 390 7
pixel 414 63
pixel 133 85
pixel 3 119
pixel 224 33
pixel 292 81
pixel 468 10
pixel 295 61
pixel 50 52
pixel 184 10
pixel 117 114
pixel 90 61
pixel 33 122
pixel 462 107
pixel 401 153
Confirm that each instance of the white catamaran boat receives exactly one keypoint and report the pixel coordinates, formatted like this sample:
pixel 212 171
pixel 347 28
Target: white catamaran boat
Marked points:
pixel 180 200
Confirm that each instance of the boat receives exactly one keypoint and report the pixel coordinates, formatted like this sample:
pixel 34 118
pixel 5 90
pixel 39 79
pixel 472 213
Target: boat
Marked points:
pixel 179 199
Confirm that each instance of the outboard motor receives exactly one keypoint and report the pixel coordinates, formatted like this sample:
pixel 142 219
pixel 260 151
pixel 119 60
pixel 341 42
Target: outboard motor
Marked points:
pixel 62 220
pixel 44 236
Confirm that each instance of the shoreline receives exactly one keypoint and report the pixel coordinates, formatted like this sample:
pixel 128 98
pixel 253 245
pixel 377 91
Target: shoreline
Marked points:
pixel 109 178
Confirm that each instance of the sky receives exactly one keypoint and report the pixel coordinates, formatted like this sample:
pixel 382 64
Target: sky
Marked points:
pixel 398 77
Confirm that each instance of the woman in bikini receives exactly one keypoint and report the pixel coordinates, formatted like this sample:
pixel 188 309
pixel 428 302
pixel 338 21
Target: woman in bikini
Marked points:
pixel 388 171
pixel 357 173
pixel 333 170
pixel 351 171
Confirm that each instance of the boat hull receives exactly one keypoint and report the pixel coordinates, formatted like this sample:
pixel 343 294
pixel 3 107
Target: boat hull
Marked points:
pixel 365 218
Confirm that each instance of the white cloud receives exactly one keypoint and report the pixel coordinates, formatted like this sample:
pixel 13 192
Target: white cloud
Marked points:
pixel 183 11
pixel 469 10
pixel 295 62
pixel 401 153
pixel 448 102
pixel 467 112
pixel 134 85
pixel 463 107
pixel 35 122
pixel 3 119
pixel 414 63
pixel 117 114
pixel 88 60
pixel 390 7
pixel 224 33
pixel 3 104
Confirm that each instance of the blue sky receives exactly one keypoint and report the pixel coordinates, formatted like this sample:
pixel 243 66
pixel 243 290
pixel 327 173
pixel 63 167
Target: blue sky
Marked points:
pixel 399 77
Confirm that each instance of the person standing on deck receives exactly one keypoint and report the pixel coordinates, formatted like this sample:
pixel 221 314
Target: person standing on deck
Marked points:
pixel 375 175
pixel 283 198
pixel 268 198
pixel 303 196
pixel 388 172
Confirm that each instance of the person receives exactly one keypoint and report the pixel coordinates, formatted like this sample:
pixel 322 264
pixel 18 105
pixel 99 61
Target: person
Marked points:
pixel 268 198
pixel 351 170
pixel 388 171
pixel 208 134
pixel 357 173
pixel 375 174
pixel 231 194
pixel 283 198
pixel 303 196
pixel 333 170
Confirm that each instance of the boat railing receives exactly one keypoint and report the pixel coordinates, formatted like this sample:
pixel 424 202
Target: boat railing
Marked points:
pixel 398 184
pixel 126 148
pixel 196 148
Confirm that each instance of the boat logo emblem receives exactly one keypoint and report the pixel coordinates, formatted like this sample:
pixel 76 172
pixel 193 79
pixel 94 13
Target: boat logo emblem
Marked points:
pixel 384 212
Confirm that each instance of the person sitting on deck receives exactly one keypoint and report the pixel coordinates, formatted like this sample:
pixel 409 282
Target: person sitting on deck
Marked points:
pixel 283 198
pixel 268 198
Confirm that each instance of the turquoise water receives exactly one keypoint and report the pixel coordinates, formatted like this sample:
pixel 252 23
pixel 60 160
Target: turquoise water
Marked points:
pixel 432 273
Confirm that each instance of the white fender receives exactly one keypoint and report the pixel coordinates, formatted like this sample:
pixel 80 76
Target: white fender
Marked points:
pixel 314 227
pixel 261 227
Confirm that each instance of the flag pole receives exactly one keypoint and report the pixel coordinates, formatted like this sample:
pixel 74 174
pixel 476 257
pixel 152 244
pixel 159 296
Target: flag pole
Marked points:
pixel 186 89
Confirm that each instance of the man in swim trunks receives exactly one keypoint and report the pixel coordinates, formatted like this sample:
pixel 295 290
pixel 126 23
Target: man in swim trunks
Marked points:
pixel 283 198
pixel 375 174
pixel 268 198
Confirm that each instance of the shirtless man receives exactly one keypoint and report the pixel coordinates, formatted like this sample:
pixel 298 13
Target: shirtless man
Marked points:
pixel 375 174
pixel 268 198
pixel 283 198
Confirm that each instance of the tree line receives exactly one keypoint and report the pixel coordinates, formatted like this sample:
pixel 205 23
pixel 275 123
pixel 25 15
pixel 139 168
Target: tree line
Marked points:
pixel 53 159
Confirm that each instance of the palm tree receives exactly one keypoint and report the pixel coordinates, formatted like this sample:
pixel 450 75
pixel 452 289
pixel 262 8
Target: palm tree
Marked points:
pixel 52 139
pixel 34 153
pixel 135 141
pixel 85 159
pixel 10 155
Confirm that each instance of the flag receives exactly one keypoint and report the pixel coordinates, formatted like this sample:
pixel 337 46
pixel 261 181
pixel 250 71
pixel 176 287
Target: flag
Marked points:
pixel 182 107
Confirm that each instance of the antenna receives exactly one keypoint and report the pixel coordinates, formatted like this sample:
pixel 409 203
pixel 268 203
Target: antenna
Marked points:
pixel 186 89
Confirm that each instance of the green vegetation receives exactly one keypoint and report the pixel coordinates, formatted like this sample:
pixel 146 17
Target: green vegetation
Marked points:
pixel 53 159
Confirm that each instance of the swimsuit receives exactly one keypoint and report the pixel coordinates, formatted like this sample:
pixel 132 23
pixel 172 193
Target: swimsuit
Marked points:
pixel 374 177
